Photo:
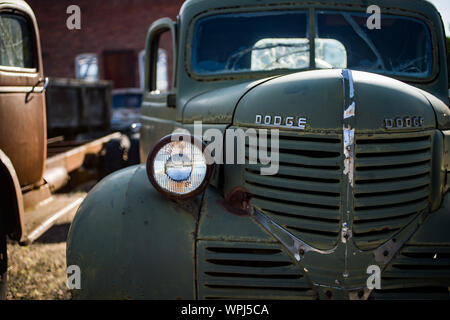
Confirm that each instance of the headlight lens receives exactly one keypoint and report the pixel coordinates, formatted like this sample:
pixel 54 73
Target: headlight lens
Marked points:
pixel 177 166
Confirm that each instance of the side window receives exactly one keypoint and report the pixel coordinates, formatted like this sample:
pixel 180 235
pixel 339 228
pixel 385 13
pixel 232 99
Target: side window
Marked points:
pixel 16 42
pixel 141 69
pixel 161 66
pixel 162 71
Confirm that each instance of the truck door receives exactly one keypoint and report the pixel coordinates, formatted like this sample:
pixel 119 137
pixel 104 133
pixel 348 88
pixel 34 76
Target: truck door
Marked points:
pixel 22 101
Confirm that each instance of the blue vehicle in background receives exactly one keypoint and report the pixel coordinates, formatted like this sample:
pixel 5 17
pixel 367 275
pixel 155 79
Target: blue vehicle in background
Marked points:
pixel 125 117
pixel 126 109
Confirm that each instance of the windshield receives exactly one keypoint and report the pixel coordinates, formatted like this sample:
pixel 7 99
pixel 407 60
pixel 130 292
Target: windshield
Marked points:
pixel 267 41
pixel 227 43
pixel 126 100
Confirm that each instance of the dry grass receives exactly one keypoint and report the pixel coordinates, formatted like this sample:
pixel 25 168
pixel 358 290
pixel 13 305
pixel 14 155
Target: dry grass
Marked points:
pixel 38 272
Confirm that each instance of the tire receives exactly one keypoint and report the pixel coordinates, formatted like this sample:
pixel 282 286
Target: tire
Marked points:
pixel 133 153
pixel 3 262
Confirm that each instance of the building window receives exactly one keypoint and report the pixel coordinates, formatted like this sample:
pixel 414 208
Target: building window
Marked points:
pixel 86 66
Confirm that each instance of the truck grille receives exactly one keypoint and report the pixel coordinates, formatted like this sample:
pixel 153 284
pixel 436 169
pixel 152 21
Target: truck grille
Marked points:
pixel 304 197
pixel 248 271
pixel 392 184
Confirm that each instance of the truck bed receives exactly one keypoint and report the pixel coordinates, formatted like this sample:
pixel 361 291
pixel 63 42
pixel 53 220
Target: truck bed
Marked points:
pixel 43 206
pixel 58 145
pixel 70 155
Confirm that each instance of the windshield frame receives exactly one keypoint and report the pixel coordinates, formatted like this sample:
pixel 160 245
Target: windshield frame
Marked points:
pixel 311 12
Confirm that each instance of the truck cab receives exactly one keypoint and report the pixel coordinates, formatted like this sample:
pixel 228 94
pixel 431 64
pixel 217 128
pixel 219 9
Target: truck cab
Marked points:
pixel 358 119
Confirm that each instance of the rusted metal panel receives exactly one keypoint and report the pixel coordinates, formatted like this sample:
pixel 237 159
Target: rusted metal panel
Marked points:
pixel 23 136
pixel 15 205
pixel 22 122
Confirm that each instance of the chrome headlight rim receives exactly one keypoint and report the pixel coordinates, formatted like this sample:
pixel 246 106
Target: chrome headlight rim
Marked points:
pixel 172 138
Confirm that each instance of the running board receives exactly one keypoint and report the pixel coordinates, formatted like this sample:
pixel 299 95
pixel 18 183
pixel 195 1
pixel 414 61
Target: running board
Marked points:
pixel 42 217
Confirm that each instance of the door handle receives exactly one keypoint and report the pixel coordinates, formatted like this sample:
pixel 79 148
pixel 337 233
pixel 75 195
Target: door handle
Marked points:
pixel 44 80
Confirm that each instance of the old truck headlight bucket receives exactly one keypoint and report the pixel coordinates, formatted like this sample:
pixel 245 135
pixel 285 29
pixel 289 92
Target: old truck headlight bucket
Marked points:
pixel 177 166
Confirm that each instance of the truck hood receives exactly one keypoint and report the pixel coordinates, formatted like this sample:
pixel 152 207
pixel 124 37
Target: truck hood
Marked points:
pixel 318 98
pixel 217 106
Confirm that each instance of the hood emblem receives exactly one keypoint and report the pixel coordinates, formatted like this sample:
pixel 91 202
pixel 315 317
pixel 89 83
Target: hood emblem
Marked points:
pixel 280 121
pixel 403 123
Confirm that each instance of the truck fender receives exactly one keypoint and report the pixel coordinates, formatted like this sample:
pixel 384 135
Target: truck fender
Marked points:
pixel 11 202
pixel 130 242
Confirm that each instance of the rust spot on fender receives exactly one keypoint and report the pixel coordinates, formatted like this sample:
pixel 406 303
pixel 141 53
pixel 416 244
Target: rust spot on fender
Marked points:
pixel 237 202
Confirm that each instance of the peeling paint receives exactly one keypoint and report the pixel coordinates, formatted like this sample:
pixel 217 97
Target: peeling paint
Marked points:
pixel 350 111
pixel 346 234
pixel 348 131
pixel 349 140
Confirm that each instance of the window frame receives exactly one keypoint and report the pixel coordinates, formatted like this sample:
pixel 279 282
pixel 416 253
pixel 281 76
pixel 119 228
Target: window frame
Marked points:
pixel 155 32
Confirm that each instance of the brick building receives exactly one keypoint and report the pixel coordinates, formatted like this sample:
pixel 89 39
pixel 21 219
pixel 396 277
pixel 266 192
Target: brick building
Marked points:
pixel 114 30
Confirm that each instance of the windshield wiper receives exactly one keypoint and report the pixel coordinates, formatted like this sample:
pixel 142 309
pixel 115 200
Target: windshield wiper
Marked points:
pixel 360 32
pixel 410 66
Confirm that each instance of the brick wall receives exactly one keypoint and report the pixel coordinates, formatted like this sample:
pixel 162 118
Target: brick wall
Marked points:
pixel 106 25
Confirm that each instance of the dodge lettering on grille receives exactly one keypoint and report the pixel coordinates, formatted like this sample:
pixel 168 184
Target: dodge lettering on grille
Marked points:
pixel 403 123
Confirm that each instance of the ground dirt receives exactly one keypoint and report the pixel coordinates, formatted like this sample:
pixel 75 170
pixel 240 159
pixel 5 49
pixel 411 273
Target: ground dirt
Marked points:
pixel 38 271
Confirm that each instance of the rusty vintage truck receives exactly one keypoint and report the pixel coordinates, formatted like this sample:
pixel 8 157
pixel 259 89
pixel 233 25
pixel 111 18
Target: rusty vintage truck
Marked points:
pixel 43 175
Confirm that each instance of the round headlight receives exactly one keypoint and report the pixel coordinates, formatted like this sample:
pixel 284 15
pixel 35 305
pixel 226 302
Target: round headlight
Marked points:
pixel 177 166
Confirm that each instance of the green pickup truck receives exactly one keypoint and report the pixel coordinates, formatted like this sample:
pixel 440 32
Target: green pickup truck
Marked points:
pixel 355 98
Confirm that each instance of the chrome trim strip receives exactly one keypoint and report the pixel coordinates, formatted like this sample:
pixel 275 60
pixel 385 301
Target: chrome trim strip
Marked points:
pixel 297 247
